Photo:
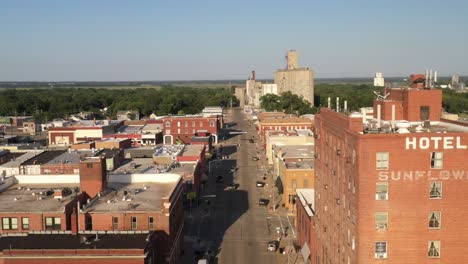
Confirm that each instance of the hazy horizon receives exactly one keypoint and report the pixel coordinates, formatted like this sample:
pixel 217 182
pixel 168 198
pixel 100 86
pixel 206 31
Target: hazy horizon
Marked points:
pixel 61 41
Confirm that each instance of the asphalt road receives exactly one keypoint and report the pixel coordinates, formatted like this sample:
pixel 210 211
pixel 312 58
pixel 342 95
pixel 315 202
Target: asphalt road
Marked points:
pixel 231 223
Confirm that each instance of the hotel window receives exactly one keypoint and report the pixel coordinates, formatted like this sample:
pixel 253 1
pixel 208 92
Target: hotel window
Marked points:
pixel 381 191
pixel 435 190
pixel 201 123
pixel 25 223
pixel 381 249
pixel 436 160
pixel 381 161
pixel 53 223
pixel 381 221
pixel 10 223
pixel 134 223
pixel 168 124
pixel 178 124
pixel 434 219
pixel 185 131
pixel 151 223
pixel 89 165
pixel 433 249
pixel 115 223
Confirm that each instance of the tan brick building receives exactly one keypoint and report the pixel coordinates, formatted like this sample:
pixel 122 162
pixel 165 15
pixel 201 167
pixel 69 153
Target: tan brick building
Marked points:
pixel 389 190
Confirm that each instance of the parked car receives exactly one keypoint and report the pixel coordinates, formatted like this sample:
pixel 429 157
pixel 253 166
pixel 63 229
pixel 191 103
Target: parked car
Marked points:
pixel 255 158
pixel 260 184
pixel 272 246
pixel 219 179
pixel 263 202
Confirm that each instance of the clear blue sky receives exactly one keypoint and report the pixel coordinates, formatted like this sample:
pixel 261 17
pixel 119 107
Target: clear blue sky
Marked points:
pixel 45 40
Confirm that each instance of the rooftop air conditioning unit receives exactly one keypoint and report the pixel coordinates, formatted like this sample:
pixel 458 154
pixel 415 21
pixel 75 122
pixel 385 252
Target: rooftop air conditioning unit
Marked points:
pixel 381 196
pixel 381 255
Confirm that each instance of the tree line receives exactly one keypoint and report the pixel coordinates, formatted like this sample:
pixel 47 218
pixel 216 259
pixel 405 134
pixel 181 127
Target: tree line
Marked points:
pixel 61 102
pixel 356 95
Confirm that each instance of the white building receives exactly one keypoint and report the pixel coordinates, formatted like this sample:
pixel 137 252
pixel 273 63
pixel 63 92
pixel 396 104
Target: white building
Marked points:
pixel 269 88
pixel 379 79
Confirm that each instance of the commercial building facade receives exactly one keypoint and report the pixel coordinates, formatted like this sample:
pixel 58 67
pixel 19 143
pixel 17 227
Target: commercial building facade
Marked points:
pixel 391 189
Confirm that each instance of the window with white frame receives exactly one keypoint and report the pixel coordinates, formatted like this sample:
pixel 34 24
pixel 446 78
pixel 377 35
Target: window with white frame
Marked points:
pixel 434 219
pixel 435 190
pixel 134 223
pixel 436 160
pixel 168 123
pixel 381 249
pixel 381 161
pixel 433 249
pixel 381 220
pixel 10 223
pixel 53 223
pixel 381 191
pixel 25 223
pixel 150 223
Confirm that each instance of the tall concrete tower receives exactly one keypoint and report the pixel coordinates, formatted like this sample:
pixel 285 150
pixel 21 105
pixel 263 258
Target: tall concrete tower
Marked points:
pixel 291 58
pixel 297 80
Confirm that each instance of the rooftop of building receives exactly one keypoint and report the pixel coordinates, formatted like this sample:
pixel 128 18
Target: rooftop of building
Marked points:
pixel 16 162
pixel 300 165
pixel 306 197
pixel 168 150
pixel 135 165
pixel 109 153
pixel 296 151
pixel 35 198
pixel 111 140
pixel 10 156
pixel 130 129
pixel 191 150
pixel 44 157
pixel 295 69
pixel 135 197
pixel 191 116
pixel 200 139
pixel 62 241
pixel 290 133
pixel 72 157
pixel 152 127
pixel 285 119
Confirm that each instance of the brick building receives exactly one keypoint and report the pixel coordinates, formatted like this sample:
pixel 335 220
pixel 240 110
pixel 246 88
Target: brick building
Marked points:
pixel 391 189
pixel 136 220
pixel 282 124
pixel 305 211
pixel 83 131
pixel 295 169
pixel 183 128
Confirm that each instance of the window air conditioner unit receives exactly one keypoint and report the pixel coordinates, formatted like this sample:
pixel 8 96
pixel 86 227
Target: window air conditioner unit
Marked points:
pixel 381 196
pixel 381 226
pixel 381 255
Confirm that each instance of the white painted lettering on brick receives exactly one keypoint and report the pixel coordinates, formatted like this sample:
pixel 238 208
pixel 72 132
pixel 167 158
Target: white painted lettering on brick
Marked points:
pixel 435 143
pixel 448 142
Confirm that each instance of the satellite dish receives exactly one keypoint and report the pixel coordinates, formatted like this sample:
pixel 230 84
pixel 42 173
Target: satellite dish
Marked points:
pixel 381 97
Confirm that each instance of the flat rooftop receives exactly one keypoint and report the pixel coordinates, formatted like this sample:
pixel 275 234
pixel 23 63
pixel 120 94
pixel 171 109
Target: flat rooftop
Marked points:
pixel 109 153
pixel 300 165
pixel 111 140
pixel 135 197
pixel 168 150
pixel 27 202
pixel 191 150
pixel 297 151
pixel 16 162
pixel 130 129
pixel 51 241
pixel 9 156
pixel 405 127
pixel 44 157
pixel 306 197
pixel 135 165
pixel 286 119
pixel 72 157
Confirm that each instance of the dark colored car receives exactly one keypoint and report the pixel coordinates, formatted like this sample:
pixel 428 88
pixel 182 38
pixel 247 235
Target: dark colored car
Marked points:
pixel 260 184
pixel 219 179
pixel 263 202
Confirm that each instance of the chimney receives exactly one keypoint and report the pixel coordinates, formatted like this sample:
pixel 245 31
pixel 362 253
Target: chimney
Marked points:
pixel 378 115
pixel 253 75
pixel 337 104
pixel 93 175
pixel 363 115
pixel 393 116
pixel 435 76
pixel 329 102
pixel 345 109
